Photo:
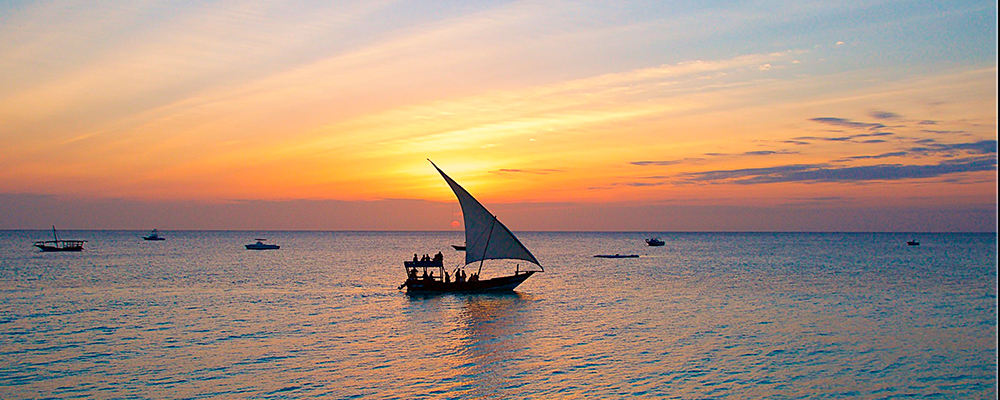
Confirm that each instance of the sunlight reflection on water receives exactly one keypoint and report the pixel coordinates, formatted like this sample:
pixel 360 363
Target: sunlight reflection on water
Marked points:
pixel 707 315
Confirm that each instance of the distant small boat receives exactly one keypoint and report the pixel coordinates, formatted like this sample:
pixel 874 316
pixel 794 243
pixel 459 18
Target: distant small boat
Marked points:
pixel 655 242
pixel 260 245
pixel 913 243
pixel 617 256
pixel 59 245
pixel 154 235
pixel 459 247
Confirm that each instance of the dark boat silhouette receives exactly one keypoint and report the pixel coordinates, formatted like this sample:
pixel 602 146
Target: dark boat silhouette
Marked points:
pixel 59 245
pixel 260 245
pixel 154 235
pixel 486 238
pixel 617 256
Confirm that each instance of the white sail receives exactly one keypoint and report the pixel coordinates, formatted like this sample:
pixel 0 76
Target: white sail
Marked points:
pixel 485 237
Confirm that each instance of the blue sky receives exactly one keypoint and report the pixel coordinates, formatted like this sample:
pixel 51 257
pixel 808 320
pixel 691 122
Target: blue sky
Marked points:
pixel 584 109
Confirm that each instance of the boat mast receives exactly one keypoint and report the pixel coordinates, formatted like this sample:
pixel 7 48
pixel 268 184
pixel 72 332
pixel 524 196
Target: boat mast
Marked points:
pixel 492 224
pixel 54 236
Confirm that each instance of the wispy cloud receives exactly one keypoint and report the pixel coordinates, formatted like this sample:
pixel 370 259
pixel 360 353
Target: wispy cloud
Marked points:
pixel 875 157
pixel 543 171
pixel 689 160
pixel 884 115
pixel 980 147
pixel 848 138
pixel 765 153
pixel 747 174
pixel 660 163
pixel 701 160
pixel 940 132
pixel 833 173
pixel 846 123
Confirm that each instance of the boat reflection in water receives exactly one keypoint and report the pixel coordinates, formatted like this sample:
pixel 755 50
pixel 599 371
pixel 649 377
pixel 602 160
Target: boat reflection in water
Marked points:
pixel 485 341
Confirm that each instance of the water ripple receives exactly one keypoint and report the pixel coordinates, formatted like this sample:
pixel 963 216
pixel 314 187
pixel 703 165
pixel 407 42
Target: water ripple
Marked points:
pixel 707 316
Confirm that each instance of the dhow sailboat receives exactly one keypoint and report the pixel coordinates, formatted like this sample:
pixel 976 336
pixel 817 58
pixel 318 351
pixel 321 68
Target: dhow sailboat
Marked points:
pixel 486 238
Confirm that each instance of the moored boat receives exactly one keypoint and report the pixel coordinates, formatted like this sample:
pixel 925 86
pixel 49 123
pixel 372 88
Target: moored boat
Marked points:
pixel 655 242
pixel 59 245
pixel 260 245
pixel 617 256
pixel 154 235
pixel 486 238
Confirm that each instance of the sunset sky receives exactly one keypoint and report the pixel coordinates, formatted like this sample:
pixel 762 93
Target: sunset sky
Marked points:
pixel 649 116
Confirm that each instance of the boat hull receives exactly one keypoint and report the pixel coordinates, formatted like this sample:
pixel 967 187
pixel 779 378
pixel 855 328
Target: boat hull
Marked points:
pixel 60 245
pixel 262 247
pixel 499 284
pixel 58 249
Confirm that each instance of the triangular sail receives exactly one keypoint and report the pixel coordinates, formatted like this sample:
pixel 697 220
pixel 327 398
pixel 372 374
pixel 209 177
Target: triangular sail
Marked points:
pixel 485 237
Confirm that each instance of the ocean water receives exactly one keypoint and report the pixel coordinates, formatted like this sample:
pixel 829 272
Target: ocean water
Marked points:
pixel 708 315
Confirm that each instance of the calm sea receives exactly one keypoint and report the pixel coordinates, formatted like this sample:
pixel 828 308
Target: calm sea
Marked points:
pixel 708 315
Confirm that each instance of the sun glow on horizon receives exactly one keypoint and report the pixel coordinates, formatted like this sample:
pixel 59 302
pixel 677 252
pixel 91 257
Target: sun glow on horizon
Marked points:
pixel 346 102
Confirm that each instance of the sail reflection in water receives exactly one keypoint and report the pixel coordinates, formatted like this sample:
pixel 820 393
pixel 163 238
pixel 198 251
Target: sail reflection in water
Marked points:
pixel 473 345
pixel 494 344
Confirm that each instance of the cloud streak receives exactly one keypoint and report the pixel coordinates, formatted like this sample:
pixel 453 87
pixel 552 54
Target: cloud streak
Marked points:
pixel 980 147
pixel 701 160
pixel 544 171
pixel 841 174
pixel 846 123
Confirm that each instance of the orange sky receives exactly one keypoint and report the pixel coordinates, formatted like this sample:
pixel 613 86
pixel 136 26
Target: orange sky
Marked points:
pixel 521 102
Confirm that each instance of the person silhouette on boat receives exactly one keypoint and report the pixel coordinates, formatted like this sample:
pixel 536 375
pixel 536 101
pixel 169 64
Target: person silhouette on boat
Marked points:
pixel 414 257
pixel 438 257
pixel 413 273
pixel 447 278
